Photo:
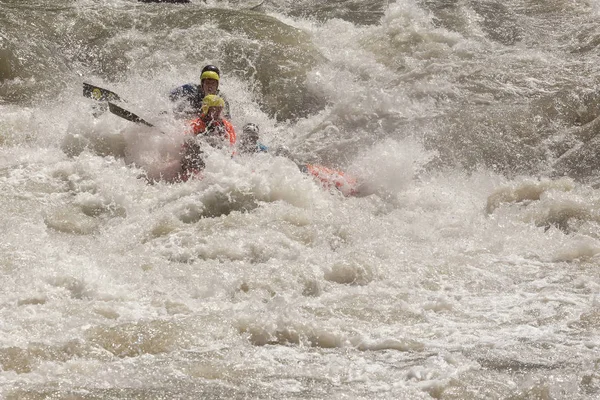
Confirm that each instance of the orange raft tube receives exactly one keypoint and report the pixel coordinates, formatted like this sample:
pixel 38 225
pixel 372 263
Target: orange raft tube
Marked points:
pixel 331 178
pixel 327 177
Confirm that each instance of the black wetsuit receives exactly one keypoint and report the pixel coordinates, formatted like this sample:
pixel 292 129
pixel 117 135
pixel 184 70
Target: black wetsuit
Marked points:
pixel 189 98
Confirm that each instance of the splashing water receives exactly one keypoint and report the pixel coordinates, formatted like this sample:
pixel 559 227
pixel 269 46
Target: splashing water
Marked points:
pixel 465 268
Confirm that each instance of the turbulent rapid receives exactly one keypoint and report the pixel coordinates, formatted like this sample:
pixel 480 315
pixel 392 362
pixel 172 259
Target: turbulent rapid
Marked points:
pixel 465 267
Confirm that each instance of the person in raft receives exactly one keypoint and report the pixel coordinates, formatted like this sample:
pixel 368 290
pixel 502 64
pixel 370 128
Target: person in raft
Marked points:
pixel 189 96
pixel 209 129
pixel 328 178
pixel 248 143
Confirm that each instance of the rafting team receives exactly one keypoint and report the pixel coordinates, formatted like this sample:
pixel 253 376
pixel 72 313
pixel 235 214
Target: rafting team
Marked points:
pixel 209 112
pixel 210 116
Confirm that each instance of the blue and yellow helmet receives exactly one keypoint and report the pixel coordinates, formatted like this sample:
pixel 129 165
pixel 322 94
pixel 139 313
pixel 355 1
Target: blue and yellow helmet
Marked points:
pixel 209 75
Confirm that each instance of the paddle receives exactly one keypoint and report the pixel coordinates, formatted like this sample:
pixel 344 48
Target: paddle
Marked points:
pixel 128 115
pixel 100 94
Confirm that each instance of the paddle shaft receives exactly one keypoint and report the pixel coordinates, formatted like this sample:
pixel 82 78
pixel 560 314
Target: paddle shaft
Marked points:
pixel 128 115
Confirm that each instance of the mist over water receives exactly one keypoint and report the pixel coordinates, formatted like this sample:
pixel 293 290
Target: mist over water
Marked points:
pixel 465 268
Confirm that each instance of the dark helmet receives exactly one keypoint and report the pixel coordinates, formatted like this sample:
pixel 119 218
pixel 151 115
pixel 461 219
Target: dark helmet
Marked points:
pixel 211 68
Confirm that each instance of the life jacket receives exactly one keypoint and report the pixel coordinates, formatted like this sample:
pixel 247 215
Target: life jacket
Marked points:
pixel 192 162
pixel 220 127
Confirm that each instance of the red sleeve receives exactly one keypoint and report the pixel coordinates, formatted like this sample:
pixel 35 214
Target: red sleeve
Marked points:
pixel 198 126
pixel 230 131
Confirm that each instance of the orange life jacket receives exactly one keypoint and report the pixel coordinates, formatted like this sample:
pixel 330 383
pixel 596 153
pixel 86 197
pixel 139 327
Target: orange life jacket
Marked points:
pixel 199 127
pixel 192 153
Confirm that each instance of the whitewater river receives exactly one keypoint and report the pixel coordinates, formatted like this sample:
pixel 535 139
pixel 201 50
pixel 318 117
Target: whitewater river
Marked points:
pixel 466 267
